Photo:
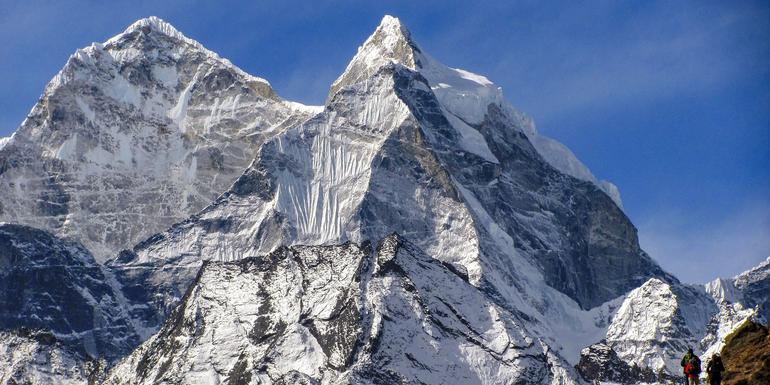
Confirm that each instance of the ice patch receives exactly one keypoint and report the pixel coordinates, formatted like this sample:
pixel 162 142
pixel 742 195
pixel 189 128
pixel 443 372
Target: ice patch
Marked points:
pixel 612 191
pixel 303 108
pixel 179 112
pixel 559 156
pixel 564 160
pixel 166 75
pixel 89 113
pixel 122 90
pixel 99 156
pixel 124 149
pixel 481 80
pixel 4 142
pixel 463 93
pixel 471 139
pixel 67 149
pixel 189 173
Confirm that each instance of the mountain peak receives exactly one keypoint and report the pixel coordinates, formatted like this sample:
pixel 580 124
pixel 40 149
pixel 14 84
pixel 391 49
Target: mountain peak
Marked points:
pixel 390 42
pixel 757 273
pixel 154 23
pixel 157 27
pixel 389 20
pixel 391 26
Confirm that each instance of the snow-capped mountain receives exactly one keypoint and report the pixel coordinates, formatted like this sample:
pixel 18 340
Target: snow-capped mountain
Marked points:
pixel 133 135
pixel 463 184
pixel 681 315
pixel 340 315
pixel 406 144
pixel 514 264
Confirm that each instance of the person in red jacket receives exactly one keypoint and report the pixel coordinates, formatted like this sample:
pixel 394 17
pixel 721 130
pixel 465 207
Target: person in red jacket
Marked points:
pixel 684 362
pixel 692 370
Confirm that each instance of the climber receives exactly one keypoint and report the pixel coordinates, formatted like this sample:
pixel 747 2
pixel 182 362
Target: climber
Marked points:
pixel 692 370
pixel 715 369
pixel 684 362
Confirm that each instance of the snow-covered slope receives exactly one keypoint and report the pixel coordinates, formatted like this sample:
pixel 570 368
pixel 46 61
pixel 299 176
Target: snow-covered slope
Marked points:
pixel 53 285
pixel 340 315
pixel 133 135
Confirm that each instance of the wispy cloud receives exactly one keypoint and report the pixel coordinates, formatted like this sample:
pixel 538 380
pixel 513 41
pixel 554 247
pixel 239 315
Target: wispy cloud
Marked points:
pixel 696 251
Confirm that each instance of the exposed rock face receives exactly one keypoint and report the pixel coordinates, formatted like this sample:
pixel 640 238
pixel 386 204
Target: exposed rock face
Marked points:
pixel 50 284
pixel 36 357
pixel 746 356
pixel 340 315
pixel 134 135
pixel 599 362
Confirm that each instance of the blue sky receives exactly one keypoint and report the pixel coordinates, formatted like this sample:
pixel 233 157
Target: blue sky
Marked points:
pixel 670 100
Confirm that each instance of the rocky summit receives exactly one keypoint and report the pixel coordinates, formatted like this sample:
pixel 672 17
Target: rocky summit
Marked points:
pixel 416 229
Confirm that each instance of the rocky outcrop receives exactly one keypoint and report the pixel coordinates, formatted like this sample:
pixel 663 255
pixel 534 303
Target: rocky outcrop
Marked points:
pixel 30 356
pixel 600 363
pixel 746 356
